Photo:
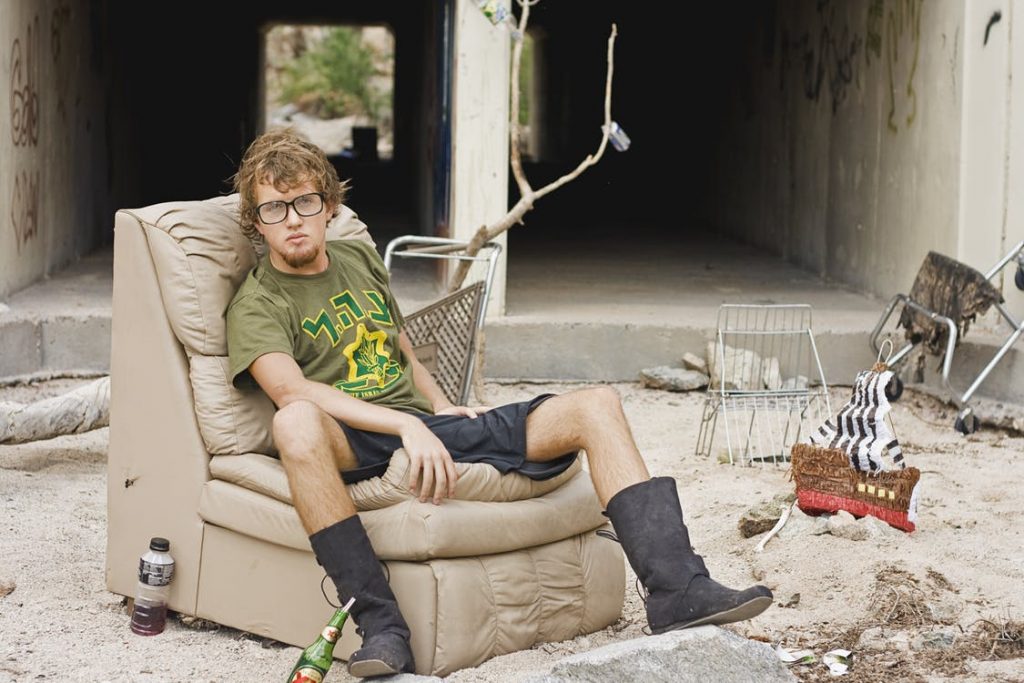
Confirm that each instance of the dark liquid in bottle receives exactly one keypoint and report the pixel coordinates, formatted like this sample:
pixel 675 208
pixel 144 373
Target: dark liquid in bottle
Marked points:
pixel 149 620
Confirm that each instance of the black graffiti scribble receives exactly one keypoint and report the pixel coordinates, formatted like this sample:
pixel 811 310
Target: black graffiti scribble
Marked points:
pixel 59 18
pixel 25 208
pixel 23 93
pixel 828 56
pixel 992 21
pixel 904 20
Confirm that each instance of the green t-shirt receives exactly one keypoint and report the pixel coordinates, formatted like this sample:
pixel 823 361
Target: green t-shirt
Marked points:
pixel 341 326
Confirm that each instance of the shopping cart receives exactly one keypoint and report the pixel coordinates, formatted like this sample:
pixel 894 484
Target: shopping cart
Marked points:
pixel 945 298
pixel 445 333
pixel 767 384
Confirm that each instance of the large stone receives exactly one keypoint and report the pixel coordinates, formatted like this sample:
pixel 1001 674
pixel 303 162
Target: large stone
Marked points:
pixel 844 525
pixel 692 361
pixel 763 516
pixel 673 379
pixel 938 639
pixel 696 655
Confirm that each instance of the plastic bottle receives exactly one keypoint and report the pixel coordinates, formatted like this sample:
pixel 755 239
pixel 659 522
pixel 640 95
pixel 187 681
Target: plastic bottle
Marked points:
pixel 315 661
pixel 156 567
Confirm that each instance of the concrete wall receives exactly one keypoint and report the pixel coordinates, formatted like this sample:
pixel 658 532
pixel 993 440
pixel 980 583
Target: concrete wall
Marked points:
pixel 480 165
pixel 55 178
pixel 992 149
pixel 843 139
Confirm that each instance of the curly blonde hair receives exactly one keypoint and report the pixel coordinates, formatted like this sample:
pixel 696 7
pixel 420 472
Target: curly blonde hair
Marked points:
pixel 286 159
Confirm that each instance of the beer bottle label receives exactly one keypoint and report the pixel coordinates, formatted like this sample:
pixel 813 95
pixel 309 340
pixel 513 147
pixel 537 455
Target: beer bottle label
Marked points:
pixel 307 674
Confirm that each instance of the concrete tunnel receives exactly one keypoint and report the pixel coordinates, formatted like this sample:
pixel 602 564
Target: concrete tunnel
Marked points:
pixel 845 139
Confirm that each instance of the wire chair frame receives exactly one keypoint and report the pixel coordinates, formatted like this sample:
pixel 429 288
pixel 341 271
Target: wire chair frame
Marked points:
pixel 452 326
pixel 767 382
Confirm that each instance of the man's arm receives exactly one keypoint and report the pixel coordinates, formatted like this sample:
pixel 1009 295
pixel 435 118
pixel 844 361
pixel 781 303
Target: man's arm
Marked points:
pixel 425 382
pixel 281 378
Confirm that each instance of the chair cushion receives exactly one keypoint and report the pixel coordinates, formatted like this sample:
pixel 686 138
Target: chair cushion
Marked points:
pixel 416 531
pixel 201 257
pixel 231 420
pixel 477 481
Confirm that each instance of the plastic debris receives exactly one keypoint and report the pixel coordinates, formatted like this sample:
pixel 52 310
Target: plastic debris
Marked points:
pixel 795 656
pixel 837 661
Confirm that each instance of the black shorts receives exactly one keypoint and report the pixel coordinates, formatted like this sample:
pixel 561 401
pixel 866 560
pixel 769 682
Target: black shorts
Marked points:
pixel 496 437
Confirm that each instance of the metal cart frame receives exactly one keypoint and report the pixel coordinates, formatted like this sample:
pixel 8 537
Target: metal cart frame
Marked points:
pixel 764 415
pixel 453 324
pixel 966 421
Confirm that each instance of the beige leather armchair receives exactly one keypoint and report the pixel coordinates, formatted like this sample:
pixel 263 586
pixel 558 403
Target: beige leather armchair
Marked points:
pixel 509 563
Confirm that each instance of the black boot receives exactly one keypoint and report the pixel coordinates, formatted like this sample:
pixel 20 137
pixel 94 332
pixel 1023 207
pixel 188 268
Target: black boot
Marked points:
pixel 345 553
pixel 649 524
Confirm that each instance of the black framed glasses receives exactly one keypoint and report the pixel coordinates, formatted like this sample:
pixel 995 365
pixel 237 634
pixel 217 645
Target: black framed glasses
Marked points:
pixel 305 205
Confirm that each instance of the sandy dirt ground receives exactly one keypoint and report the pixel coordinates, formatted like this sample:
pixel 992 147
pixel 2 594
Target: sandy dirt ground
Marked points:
pixel 943 603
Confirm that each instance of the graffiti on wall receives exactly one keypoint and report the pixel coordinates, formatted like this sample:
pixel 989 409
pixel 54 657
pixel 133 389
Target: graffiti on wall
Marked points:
pixel 902 48
pixel 25 208
pixel 827 57
pixel 24 93
pixel 59 20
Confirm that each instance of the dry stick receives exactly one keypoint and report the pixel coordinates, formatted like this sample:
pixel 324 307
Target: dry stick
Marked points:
pixel 529 196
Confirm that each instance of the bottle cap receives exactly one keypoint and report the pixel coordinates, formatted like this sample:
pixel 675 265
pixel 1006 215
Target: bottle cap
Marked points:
pixel 161 545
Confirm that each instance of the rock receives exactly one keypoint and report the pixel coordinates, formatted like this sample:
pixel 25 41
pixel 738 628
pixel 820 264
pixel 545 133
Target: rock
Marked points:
pixel 820 526
pixel 876 528
pixel 872 639
pixel 844 525
pixel 6 588
pixel 944 610
pixel 939 639
pixel 763 516
pixel 696 655
pixel 408 678
pixel 770 374
pixel 851 532
pixel 798 524
pixel 798 383
pixel 673 379
pixel 692 361
pixel 742 370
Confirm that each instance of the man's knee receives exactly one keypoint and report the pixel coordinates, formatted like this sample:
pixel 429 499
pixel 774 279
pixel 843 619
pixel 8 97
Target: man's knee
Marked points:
pixel 600 402
pixel 296 424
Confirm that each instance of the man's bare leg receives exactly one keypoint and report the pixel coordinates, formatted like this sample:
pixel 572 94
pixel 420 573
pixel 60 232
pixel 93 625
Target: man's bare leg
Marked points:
pixel 591 419
pixel 313 449
pixel 645 512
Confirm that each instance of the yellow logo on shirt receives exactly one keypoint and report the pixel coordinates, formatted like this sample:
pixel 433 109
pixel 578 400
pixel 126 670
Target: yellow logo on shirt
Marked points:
pixel 370 367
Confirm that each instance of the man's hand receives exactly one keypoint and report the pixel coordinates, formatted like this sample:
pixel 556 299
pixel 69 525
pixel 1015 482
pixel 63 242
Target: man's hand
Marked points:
pixel 465 411
pixel 427 453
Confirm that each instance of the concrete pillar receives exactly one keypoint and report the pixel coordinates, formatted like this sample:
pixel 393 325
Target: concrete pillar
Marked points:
pixel 480 113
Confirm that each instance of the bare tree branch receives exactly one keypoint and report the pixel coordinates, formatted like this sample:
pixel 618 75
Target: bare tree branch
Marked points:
pixel 528 196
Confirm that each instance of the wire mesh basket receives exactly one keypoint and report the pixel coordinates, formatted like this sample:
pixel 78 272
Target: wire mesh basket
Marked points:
pixel 767 385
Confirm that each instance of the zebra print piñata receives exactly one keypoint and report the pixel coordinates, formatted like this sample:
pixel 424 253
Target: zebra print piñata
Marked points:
pixel 860 428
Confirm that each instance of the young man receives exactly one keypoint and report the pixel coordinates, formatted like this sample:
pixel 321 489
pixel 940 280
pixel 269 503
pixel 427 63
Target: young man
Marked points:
pixel 316 326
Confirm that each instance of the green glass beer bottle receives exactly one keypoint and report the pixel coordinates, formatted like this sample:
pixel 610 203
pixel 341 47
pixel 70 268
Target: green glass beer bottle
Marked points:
pixel 316 659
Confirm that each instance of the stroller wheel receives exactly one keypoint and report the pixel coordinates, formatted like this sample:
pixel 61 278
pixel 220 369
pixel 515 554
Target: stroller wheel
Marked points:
pixel 1018 278
pixel 894 389
pixel 966 422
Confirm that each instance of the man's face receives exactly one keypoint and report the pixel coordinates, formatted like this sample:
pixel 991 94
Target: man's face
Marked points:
pixel 298 243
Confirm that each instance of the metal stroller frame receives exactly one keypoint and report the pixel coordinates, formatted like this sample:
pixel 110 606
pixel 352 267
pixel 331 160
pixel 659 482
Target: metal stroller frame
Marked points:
pixel 966 421
pixel 455 322
pixel 764 415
